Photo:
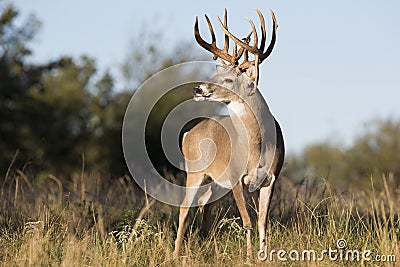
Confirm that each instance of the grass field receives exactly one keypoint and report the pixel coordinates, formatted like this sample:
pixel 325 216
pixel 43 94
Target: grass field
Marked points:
pixel 90 222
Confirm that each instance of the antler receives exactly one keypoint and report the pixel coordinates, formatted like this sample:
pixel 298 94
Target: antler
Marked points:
pixel 245 47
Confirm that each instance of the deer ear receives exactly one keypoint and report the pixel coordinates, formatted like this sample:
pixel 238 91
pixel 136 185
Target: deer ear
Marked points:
pixel 251 73
pixel 221 68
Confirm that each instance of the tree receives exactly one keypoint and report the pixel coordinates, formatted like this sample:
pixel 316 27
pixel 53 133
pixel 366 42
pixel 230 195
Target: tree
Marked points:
pixel 376 151
pixel 58 113
pixel 16 77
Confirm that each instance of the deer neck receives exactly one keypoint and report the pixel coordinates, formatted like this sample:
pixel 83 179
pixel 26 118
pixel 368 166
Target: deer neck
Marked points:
pixel 243 117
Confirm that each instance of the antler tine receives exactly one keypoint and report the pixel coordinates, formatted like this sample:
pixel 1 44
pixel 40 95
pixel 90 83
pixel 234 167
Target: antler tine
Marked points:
pixel 246 53
pixel 263 31
pixel 213 40
pixel 256 54
pixel 273 38
pixel 259 58
pixel 218 53
pixel 253 28
pixel 226 44
pixel 234 55
pixel 198 38
pixel 246 56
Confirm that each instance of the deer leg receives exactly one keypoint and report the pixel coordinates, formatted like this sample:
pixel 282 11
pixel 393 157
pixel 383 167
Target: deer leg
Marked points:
pixel 193 183
pixel 241 204
pixel 263 207
pixel 205 210
pixel 211 210
pixel 208 218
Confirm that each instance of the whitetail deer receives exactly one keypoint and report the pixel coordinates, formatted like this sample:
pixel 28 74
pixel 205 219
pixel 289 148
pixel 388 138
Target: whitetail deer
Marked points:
pixel 247 148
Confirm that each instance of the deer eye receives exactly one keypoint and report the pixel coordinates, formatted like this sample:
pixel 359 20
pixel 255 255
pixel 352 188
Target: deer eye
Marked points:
pixel 228 81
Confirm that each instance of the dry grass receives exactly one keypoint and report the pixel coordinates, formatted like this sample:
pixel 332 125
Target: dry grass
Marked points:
pixel 88 223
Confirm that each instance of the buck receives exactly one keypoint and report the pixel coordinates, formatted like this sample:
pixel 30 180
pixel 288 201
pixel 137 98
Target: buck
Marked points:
pixel 244 151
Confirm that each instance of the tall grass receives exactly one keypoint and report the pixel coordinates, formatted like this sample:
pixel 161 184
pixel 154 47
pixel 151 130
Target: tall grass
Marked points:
pixel 92 221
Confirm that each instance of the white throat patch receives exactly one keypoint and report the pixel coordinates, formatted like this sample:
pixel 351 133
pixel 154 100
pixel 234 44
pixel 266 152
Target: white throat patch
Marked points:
pixel 237 108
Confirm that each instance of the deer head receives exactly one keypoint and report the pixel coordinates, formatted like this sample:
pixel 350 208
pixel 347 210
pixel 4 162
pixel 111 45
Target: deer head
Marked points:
pixel 219 88
pixel 246 66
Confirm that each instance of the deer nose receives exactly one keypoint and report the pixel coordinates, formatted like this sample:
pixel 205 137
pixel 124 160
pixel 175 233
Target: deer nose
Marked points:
pixel 197 90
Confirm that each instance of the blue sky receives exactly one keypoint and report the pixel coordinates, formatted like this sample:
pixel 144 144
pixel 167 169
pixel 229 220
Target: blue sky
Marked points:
pixel 336 64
